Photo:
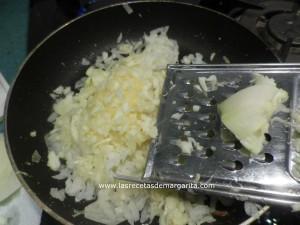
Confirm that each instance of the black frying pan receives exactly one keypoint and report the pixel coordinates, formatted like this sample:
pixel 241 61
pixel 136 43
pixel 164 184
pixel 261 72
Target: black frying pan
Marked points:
pixel 56 61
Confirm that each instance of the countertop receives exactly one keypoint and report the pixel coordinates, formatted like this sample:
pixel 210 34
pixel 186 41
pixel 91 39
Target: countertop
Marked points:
pixel 14 16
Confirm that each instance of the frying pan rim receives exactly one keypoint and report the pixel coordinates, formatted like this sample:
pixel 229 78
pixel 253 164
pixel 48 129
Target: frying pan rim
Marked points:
pixel 19 173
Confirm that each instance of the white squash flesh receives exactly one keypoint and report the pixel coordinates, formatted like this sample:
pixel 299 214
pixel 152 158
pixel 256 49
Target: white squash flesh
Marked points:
pixel 247 113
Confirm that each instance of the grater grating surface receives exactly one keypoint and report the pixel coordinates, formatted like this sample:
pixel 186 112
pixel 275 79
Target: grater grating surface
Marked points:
pixel 270 177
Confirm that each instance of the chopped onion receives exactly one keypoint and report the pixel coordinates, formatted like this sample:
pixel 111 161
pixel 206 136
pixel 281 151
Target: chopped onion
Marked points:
pixel 58 194
pixel 36 157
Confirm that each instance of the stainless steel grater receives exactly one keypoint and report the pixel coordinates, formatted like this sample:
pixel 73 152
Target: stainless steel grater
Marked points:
pixel 271 177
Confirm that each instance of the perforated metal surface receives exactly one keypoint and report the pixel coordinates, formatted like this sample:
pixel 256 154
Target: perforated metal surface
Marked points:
pixel 268 177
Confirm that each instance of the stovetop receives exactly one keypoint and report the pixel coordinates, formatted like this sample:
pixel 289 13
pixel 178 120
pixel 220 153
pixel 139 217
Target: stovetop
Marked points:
pixel 276 22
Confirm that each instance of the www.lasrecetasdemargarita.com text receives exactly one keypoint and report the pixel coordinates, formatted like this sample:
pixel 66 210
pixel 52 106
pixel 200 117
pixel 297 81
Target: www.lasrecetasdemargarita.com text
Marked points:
pixel 155 186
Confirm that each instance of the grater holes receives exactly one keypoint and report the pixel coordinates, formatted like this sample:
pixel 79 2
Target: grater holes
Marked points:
pixel 229 147
pixel 269 158
pixel 268 137
pixel 226 136
pixel 209 152
pixel 233 146
pixel 205 153
pixel 210 133
pixel 187 94
pixel 203 117
pixel 181 160
pixel 212 116
pixel 237 145
pixel 190 93
pixel 238 165
pixel 232 165
pixel 188 108
pixel 213 101
pixel 264 158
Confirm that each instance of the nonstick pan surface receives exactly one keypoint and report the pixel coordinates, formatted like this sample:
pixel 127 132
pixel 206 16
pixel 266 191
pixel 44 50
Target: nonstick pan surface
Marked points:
pixel 56 61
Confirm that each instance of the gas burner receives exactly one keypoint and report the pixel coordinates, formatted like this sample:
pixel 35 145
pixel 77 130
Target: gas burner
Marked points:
pixel 285 26
pixel 278 24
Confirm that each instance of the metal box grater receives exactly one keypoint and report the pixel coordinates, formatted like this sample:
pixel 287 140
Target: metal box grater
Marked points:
pixel 271 177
